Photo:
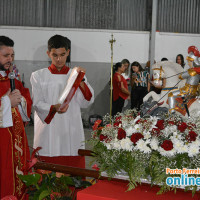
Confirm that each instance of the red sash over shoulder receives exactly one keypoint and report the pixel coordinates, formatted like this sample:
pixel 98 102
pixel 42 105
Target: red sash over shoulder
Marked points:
pixel 86 93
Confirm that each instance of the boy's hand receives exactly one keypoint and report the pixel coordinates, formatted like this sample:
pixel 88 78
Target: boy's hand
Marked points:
pixel 80 69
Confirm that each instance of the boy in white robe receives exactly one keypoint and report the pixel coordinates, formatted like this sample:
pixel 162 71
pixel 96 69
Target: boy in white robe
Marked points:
pixel 59 133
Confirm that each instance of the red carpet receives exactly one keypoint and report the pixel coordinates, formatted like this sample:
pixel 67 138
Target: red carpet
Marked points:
pixel 112 190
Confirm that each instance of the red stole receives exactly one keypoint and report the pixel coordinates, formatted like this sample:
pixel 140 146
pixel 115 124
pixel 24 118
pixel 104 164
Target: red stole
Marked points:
pixel 86 93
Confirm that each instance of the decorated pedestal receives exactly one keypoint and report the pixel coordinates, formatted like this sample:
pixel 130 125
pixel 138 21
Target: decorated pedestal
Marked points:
pixel 159 152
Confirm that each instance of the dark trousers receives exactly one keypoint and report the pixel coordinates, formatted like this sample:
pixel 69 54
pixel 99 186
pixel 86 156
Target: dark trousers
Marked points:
pixel 117 106
pixel 137 95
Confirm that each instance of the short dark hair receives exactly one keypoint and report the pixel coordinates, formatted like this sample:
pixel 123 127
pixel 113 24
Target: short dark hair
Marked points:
pixel 58 41
pixel 164 59
pixel 6 41
pixel 117 66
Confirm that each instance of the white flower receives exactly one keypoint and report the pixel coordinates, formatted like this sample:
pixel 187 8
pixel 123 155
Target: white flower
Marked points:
pixel 167 153
pixel 116 145
pixel 178 145
pixel 129 131
pixel 126 144
pixel 154 143
pixel 108 145
pixel 147 135
pixel 193 149
pixel 133 129
pixel 170 130
pixel 141 145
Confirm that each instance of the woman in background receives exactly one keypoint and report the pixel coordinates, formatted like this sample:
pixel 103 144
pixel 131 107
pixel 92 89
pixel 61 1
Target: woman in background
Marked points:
pixel 180 60
pixel 120 88
pixel 126 74
pixel 139 83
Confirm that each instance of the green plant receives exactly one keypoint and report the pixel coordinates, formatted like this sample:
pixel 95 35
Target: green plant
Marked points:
pixel 50 185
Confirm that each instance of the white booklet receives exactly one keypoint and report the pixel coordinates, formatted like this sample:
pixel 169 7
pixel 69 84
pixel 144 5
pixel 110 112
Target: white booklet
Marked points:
pixel 73 83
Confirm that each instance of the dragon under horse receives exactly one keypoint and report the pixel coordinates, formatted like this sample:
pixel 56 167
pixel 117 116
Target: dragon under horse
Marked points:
pixel 169 72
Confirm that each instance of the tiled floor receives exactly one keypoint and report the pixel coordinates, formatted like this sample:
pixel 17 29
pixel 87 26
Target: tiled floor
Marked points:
pixel 30 135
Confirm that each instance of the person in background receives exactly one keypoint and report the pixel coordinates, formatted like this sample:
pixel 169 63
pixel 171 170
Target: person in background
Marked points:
pixel 126 74
pixel 59 132
pixel 120 88
pixel 164 59
pixel 180 60
pixel 15 108
pixel 139 84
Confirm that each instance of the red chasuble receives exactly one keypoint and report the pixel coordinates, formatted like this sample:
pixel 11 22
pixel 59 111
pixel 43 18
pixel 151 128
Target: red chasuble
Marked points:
pixel 14 151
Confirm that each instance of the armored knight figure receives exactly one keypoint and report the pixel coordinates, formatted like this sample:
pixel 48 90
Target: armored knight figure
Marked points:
pixel 190 90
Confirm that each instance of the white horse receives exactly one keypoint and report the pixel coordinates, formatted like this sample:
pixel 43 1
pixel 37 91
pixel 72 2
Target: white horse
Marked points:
pixel 170 71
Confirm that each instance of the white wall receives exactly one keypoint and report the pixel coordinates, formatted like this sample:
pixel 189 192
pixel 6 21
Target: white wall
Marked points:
pixel 91 49
pixel 87 45
pixel 94 46
pixel 171 44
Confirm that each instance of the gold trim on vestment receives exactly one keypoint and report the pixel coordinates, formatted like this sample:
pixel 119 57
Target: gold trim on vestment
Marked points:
pixel 12 162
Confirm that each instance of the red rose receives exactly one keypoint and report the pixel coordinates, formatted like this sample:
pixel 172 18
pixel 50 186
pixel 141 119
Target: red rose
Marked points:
pixel 171 122
pixel 121 134
pixel 182 126
pixel 191 126
pixel 102 137
pixel 155 131
pixel 167 145
pixel 138 121
pixel 160 124
pixel 135 137
pixel 118 118
pixel 191 136
pixel 116 124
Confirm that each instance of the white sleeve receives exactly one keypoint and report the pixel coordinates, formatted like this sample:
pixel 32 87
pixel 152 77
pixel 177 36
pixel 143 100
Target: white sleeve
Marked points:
pixel 80 97
pixel 23 110
pixel 41 107
pixel 5 113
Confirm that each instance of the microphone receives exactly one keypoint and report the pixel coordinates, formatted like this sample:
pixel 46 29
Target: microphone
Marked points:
pixel 11 76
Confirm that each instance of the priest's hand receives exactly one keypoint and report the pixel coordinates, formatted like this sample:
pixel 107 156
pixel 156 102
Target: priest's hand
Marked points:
pixel 80 69
pixel 15 97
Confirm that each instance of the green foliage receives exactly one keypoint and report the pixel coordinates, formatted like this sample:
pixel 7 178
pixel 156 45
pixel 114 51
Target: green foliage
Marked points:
pixel 49 186
pixel 140 165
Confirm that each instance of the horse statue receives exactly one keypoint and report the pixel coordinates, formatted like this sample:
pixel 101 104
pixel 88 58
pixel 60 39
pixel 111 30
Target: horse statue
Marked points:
pixel 170 72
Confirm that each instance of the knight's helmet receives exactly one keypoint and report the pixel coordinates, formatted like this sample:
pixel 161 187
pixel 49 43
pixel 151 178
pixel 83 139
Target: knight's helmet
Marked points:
pixel 194 56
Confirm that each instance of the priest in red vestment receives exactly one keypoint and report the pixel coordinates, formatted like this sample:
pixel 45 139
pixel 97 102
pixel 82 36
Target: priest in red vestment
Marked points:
pixel 15 109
